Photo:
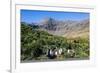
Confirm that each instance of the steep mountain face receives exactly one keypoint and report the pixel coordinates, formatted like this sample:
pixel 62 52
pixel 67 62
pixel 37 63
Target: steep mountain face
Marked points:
pixel 49 24
pixel 68 28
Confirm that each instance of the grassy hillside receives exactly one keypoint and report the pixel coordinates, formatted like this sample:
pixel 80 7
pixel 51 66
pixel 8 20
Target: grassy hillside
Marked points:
pixel 36 42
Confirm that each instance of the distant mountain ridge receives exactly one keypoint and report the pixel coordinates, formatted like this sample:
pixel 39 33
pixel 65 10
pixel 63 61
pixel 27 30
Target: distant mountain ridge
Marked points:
pixel 68 28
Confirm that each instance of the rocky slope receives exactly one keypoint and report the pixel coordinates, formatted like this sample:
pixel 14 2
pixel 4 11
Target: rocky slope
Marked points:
pixel 68 28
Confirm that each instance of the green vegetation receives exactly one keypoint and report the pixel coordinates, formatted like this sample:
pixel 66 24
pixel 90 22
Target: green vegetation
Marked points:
pixel 35 44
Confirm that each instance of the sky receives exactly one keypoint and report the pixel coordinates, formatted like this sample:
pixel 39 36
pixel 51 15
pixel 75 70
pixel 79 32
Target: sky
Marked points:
pixel 34 16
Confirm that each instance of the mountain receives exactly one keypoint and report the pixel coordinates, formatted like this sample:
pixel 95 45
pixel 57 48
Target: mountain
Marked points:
pixel 68 28
pixel 37 39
